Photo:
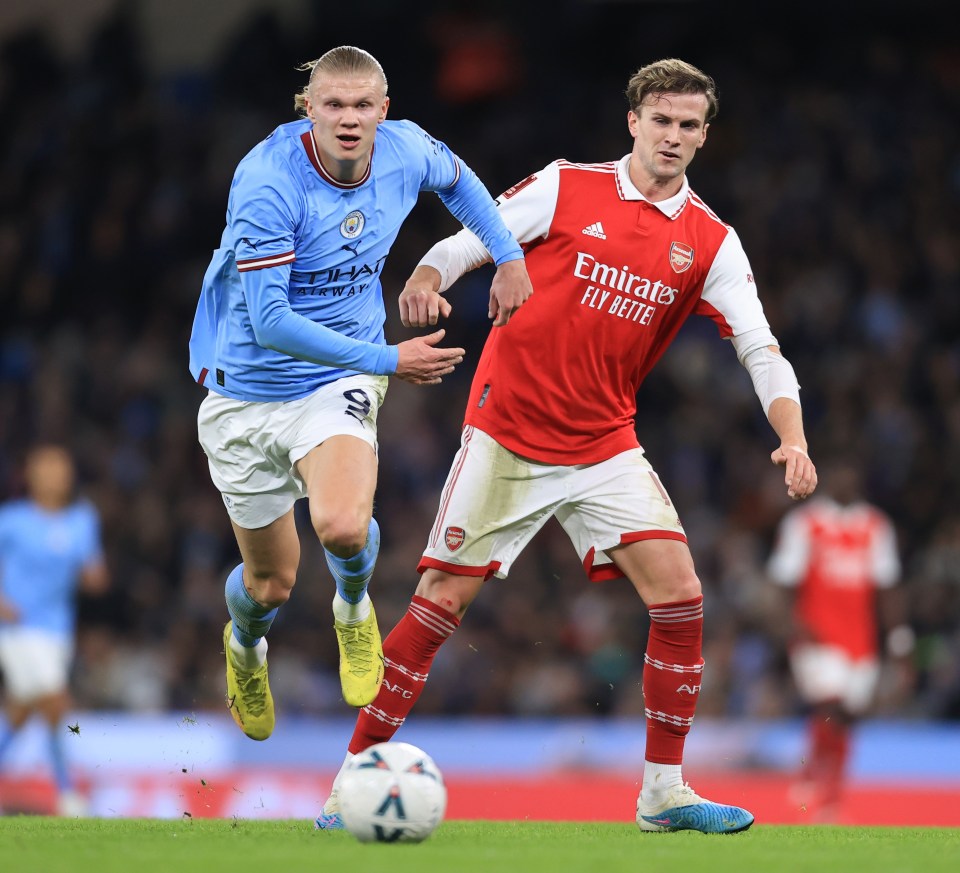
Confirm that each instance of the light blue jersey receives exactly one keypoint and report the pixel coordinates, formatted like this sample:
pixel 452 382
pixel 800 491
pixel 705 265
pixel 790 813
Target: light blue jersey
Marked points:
pixel 42 555
pixel 292 299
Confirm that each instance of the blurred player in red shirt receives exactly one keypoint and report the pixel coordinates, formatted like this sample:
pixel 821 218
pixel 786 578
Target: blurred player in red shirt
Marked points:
pixel 838 557
pixel 620 254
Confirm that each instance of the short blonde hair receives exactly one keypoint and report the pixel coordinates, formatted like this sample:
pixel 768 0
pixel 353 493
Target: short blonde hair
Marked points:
pixel 671 76
pixel 345 60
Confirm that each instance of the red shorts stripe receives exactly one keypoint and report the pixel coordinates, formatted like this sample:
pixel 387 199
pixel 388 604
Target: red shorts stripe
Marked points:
pixel 458 569
pixel 605 572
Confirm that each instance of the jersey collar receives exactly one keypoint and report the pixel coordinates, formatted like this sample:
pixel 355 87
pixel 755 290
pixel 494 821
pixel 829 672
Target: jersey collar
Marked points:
pixel 310 146
pixel 671 207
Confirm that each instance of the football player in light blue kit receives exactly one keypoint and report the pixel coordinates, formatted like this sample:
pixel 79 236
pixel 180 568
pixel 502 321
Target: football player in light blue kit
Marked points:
pixel 288 339
pixel 49 548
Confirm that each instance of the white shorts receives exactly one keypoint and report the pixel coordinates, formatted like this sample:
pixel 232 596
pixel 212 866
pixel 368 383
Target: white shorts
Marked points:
pixel 253 447
pixel 35 663
pixel 495 501
pixel 825 673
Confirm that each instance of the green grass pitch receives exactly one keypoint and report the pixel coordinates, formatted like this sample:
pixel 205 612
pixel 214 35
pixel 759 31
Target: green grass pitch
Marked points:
pixel 31 844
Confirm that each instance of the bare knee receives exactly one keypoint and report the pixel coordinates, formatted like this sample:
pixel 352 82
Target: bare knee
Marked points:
pixel 686 586
pixel 341 535
pixel 54 707
pixel 835 711
pixel 18 713
pixel 674 587
pixel 270 588
pixel 452 593
pixel 661 570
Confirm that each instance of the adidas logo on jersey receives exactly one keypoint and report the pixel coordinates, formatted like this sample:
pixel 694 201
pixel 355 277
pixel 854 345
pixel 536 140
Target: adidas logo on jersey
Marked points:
pixel 595 229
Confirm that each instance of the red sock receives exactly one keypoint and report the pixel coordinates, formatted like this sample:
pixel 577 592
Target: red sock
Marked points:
pixel 839 759
pixel 408 652
pixel 820 742
pixel 671 677
pixel 829 754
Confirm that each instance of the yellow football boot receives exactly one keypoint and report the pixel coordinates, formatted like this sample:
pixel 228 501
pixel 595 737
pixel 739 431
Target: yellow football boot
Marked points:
pixel 361 659
pixel 248 695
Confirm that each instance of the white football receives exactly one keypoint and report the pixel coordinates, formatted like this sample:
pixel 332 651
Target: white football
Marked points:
pixel 392 793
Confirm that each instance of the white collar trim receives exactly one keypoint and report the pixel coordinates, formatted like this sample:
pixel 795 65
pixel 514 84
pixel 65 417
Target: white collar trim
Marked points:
pixel 671 207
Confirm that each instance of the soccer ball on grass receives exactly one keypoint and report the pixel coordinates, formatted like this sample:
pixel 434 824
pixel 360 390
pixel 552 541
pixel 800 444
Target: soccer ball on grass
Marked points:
pixel 392 793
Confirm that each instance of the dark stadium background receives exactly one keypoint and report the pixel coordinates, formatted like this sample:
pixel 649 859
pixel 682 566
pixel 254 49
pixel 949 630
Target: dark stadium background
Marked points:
pixel 836 156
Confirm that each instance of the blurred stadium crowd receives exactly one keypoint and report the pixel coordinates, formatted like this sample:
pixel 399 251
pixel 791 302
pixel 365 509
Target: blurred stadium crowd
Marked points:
pixel 840 173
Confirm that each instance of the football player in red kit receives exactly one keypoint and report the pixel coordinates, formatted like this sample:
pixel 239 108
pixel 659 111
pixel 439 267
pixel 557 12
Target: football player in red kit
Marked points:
pixel 620 254
pixel 838 556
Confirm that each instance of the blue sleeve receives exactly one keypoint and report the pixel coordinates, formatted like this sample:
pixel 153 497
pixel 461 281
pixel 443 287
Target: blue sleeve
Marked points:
pixel 262 214
pixel 467 199
pixel 277 327
pixel 472 205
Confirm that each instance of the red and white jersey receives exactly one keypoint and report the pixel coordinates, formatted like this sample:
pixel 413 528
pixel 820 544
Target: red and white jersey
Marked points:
pixel 615 277
pixel 837 557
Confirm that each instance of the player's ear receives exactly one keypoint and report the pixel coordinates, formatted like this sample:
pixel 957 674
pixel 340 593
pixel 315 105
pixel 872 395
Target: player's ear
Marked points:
pixel 383 109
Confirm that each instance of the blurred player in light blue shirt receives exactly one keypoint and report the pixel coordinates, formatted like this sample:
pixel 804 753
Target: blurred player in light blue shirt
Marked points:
pixel 288 339
pixel 49 550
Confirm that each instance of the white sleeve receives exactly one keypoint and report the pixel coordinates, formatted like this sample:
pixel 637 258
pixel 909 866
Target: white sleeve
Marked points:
pixel 527 209
pixel 731 299
pixel 730 292
pixel 791 554
pixel 885 559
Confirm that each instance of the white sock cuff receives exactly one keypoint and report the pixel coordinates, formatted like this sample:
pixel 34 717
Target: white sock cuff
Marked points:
pixel 248 657
pixel 660 778
pixel 351 613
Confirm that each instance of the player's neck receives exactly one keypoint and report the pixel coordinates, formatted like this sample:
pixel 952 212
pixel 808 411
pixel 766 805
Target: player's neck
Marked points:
pixel 652 188
pixel 345 172
pixel 49 504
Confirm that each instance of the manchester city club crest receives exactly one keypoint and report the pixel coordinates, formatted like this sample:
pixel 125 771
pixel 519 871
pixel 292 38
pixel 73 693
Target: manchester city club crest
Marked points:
pixel 681 257
pixel 352 225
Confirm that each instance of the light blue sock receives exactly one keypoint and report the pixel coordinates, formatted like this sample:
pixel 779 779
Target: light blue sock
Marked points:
pixel 251 621
pixel 352 575
pixel 61 774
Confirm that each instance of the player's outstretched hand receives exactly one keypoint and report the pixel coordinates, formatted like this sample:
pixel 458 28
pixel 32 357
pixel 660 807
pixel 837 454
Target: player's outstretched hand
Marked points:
pixel 510 289
pixel 800 475
pixel 423 363
pixel 421 304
